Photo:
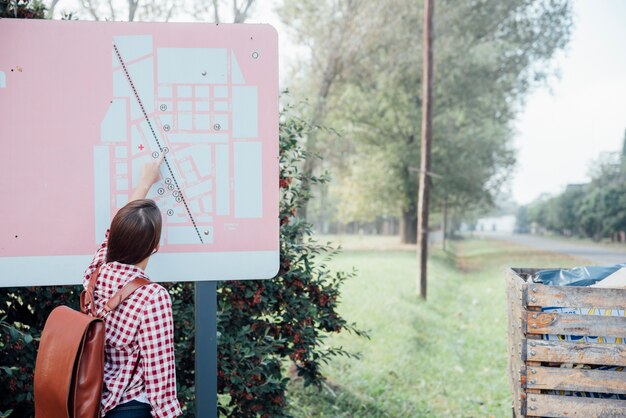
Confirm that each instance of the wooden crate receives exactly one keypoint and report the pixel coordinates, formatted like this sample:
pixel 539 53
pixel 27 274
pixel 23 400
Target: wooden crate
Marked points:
pixel 535 371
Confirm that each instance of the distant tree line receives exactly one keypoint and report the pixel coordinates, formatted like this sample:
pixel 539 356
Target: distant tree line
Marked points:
pixel 596 209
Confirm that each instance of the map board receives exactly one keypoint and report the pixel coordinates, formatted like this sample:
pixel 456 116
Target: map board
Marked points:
pixel 85 105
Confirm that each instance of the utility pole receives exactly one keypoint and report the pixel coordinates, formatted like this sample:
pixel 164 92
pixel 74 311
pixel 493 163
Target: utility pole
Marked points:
pixel 424 173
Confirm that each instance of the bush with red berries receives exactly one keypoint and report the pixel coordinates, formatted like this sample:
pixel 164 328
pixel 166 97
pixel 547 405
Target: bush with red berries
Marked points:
pixel 22 9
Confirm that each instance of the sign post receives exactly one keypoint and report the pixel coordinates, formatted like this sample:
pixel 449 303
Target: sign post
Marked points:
pixel 206 349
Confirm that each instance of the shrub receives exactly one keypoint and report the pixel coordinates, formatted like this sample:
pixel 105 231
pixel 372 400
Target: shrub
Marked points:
pixel 22 9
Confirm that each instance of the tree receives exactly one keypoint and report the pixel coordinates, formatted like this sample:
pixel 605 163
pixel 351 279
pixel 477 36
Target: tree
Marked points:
pixel 236 11
pixel 564 215
pixel 218 11
pixel 375 102
pixel 333 30
pixel 596 209
pixel 590 213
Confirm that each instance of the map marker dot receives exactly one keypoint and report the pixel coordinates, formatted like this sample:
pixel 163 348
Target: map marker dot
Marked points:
pixel 255 55
pixel 155 154
pixel 206 232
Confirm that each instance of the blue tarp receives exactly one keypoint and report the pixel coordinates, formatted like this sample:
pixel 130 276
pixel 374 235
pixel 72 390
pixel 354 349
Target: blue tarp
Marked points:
pixel 577 276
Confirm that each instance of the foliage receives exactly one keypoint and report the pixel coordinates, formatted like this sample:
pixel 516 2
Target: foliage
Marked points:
pixel 562 213
pixel 596 209
pixel 362 200
pixel 214 11
pixel 261 324
pixel 365 72
pixel 23 312
pixel 22 9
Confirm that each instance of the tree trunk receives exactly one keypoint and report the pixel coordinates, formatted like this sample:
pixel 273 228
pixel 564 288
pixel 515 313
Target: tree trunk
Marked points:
pixel 408 225
pixel 132 8
pixel 241 12
pixel 216 12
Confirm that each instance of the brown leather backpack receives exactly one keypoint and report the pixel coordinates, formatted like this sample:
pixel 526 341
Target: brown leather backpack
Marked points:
pixel 69 372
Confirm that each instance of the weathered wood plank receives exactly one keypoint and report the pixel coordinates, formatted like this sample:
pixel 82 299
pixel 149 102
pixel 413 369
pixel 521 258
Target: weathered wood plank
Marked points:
pixel 568 324
pixel 515 330
pixel 577 380
pixel 530 364
pixel 576 297
pixel 577 352
pixel 570 406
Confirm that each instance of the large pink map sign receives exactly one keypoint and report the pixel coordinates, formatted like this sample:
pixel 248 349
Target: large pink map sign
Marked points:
pixel 85 105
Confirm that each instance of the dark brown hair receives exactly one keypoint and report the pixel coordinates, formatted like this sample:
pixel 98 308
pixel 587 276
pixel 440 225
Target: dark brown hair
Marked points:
pixel 135 232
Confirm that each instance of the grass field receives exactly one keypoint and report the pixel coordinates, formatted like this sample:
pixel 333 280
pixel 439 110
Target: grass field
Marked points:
pixel 443 357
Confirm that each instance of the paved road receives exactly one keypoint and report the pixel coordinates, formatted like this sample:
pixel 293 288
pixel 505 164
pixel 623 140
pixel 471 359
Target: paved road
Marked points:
pixel 596 254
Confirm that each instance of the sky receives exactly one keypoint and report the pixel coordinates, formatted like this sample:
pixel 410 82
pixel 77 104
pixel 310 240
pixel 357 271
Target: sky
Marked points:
pixel 566 126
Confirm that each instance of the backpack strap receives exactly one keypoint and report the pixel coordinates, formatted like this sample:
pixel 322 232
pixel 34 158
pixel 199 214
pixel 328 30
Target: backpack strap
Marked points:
pixel 121 295
pixel 87 305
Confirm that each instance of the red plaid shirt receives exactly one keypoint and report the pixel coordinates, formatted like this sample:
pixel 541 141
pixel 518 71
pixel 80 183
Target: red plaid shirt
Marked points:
pixel 139 344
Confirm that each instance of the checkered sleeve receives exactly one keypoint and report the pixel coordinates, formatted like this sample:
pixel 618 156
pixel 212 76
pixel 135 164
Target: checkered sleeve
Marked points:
pixel 156 342
pixel 98 259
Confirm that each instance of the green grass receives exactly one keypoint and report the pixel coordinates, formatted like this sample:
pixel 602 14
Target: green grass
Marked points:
pixel 442 357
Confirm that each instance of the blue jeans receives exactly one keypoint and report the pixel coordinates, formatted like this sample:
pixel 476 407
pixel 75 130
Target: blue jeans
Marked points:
pixel 132 409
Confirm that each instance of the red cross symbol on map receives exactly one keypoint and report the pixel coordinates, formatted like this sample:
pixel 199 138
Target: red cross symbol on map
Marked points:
pixel 141 147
